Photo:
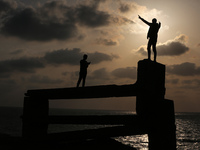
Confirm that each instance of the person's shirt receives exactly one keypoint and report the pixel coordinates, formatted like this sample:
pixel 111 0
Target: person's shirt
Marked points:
pixel 83 66
pixel 153 30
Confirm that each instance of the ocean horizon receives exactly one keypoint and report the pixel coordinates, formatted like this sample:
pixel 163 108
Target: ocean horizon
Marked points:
pixel 187 126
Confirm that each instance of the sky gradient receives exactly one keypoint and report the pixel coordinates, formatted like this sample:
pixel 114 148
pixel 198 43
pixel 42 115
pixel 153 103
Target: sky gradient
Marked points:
pixel 42 42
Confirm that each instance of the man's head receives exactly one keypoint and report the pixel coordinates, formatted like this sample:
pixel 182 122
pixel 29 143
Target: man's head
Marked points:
pixel 154 20
pixel 85 56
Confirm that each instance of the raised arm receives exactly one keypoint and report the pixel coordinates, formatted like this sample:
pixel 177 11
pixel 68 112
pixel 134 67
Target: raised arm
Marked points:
pixel 148 23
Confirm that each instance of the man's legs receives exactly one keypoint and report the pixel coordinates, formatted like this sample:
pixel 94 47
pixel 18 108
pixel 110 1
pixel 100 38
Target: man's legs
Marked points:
pixel 149 49
pixel 152 42
pixel 83 82
pixel 79 80
pixel 155 52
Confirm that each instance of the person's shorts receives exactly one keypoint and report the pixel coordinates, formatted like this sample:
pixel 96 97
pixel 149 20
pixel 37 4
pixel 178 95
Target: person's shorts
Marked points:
pixel 152 41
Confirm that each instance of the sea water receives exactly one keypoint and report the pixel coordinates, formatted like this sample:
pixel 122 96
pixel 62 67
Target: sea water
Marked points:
pixel 187 126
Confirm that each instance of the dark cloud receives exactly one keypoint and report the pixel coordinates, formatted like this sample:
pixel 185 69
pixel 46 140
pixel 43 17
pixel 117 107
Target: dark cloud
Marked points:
pixel 174 47
pixel 44 80
pixel 99 57
pixel 142 51
pixel 128 7
pixel 72 57
pixel 64 56
pixel 129 72
pixel 65 73
pixel 16 52
pixel 91 17
pixel 119 20
pixel 106 42
pixel 124 7
pixel 6 6
pixel 169 49
pixel 21 65
pixel 190 82
pixel 96 3
pixel 184 69
pixel 99 74
pixel 172 81
pixel 28 24
pixel 56 57
pixel 55 20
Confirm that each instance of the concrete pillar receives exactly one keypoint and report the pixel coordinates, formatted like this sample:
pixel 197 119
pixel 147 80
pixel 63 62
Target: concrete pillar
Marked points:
pixel 161 126
pixel 156 112
pixel 35 118
pixel 150 85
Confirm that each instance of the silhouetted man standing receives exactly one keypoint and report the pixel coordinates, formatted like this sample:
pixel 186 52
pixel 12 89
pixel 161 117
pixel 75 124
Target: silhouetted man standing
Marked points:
pixel 152 36
pixel 83 70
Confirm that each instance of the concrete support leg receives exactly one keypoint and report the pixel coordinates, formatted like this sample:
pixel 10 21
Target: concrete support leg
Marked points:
pixel 35 118
pixel 161 126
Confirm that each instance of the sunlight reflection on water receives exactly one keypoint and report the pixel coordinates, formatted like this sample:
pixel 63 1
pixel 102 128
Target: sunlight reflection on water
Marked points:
pixel 136 141
pixel 187 134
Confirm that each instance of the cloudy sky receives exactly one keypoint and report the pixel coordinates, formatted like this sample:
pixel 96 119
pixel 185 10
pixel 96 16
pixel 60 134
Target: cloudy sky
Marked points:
pixel 42 42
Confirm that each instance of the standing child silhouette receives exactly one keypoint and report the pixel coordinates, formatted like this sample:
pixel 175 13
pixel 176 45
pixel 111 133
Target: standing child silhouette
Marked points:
pixel 152 35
